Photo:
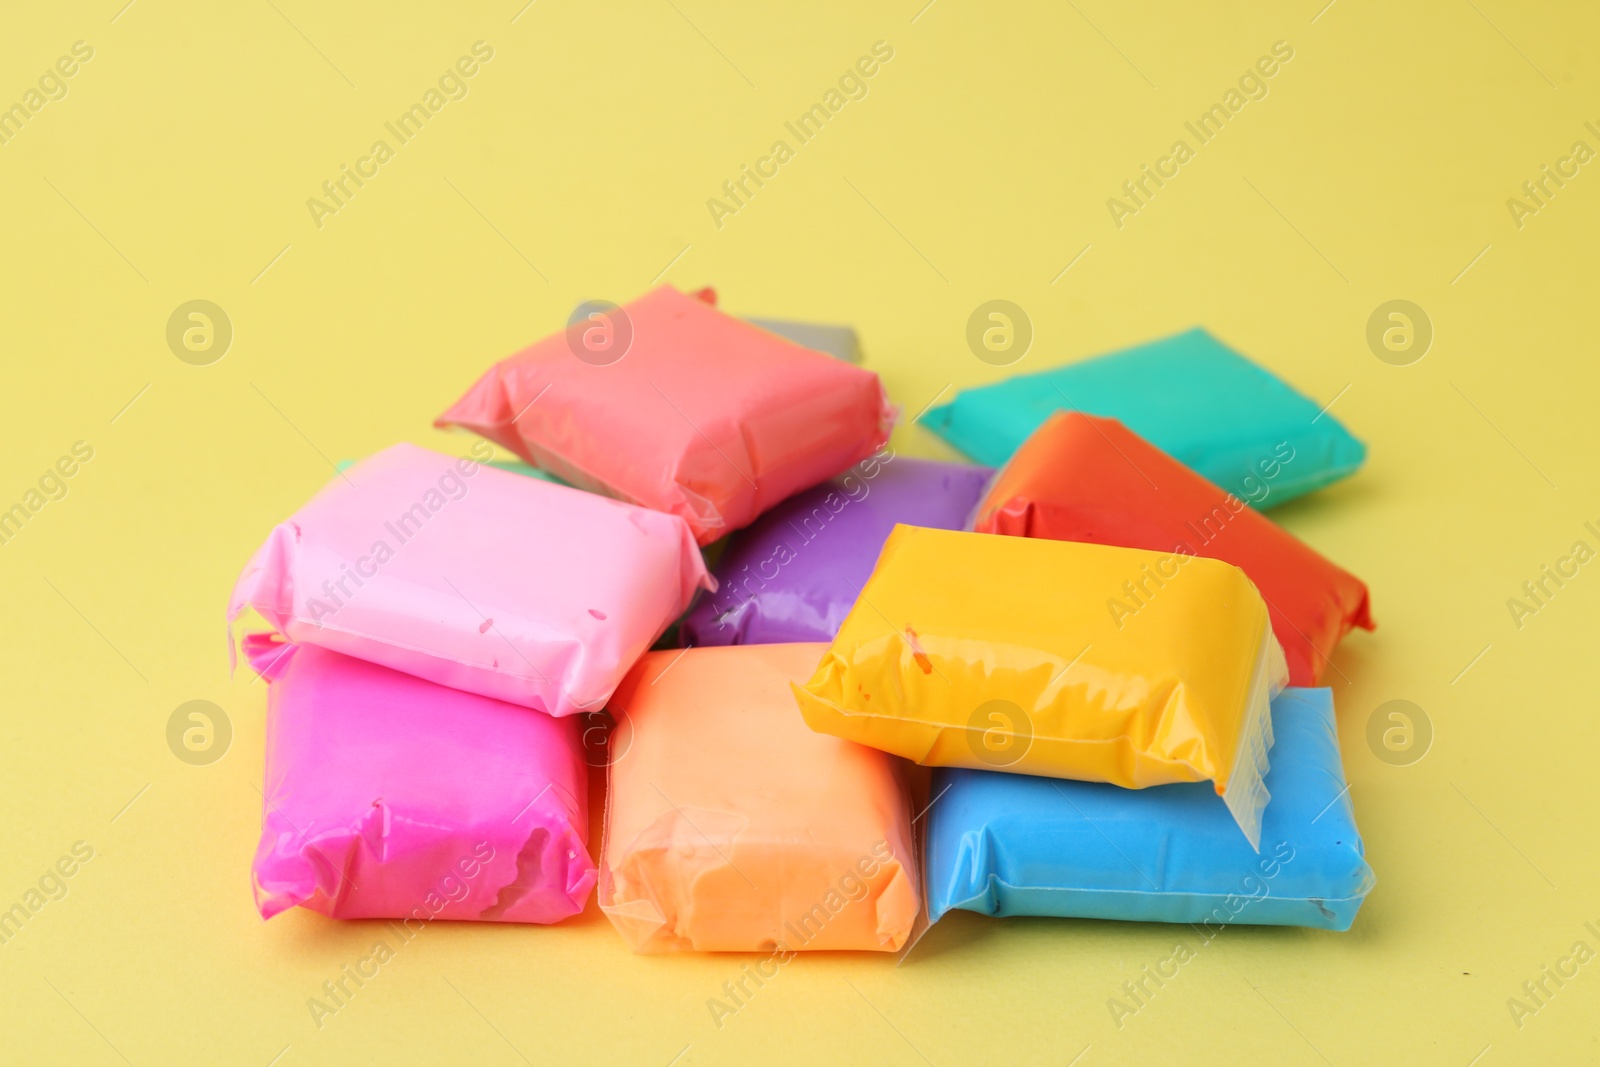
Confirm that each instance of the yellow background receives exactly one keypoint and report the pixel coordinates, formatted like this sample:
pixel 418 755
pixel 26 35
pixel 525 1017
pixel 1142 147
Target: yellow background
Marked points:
pixel 978 167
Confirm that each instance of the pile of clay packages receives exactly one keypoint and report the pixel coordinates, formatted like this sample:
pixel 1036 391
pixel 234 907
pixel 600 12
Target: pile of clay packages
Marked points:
pixel 712 582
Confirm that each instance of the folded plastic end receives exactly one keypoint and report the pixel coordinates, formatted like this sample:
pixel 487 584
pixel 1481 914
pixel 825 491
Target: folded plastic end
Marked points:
pixel 485 409
pixel 281 876
pixel 263 585
pixel 938 419
pixel 1363 613
pixel 268 653
pixel 919 785
pixel 1246 791
pixel 484 403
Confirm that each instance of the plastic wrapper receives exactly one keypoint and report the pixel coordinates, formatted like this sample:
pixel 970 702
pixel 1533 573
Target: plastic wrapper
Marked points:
pixel 730 827
pixel 970 650
pixel 475 578
pixel 388 797
pixel 688 411
pixel 1081 478
pixel 794 573
pixel 1191 396
pixel 1009 844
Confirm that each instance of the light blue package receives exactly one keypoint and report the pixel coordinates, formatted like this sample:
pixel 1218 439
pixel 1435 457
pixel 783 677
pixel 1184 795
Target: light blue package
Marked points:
pixel 1191 396
pixel 1009 844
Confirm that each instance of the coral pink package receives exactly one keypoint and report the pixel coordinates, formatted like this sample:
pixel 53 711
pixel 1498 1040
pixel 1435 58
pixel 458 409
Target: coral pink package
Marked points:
pixel 388 797
pixel 476 578
pixel 670 404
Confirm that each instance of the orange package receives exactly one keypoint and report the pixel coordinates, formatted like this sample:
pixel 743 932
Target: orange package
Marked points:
pixel 731 827
pixel 1084 478
pixel 672 405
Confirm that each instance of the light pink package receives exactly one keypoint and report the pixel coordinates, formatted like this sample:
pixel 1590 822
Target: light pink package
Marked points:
pixel 388 797
pixel 476 578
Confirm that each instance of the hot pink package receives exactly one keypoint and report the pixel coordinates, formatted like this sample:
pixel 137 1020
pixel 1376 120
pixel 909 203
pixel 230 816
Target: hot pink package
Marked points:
pixel 476 578
pixel 388 797
pixel 673 405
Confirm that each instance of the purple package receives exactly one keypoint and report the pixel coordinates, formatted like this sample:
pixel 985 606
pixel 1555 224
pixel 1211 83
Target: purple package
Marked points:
pixel 794 573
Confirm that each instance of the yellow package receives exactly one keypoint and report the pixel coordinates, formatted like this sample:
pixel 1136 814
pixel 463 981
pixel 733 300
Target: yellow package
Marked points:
pixel 1057 659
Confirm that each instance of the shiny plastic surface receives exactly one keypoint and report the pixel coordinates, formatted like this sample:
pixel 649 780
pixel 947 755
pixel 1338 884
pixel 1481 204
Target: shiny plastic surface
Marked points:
pixel 704 416
pixel 972 650
pixel 731 827
pixel 390 797
pixel 475 578
pixel 1082 478
pixel 794 573
pixel 1008 844
pixel 1190 395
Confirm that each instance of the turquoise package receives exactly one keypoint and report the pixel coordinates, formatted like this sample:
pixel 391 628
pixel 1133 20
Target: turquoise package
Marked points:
pixel 1191 396
pixel 1009 844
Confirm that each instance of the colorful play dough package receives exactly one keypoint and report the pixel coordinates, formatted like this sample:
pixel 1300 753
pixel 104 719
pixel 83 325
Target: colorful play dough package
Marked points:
pixel 794 573
pixel 388 797
pixel 973 650
pixel 673 405
pixel 1191 396
pixel 1082 478
pixel 475 578
pixel 730 827
pixel 1009 844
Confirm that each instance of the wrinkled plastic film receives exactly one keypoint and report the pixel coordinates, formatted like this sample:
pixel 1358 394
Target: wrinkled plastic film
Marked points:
pixel 793 574
pixel 475 578
pixel 1082 478
pixel 696 413
pixel 971 650
pixel 1009 845
pixel 732 827
pixel 386 796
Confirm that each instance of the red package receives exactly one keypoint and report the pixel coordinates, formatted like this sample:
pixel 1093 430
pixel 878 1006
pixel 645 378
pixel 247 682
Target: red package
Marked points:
pixel 672 405
pixel 1082 478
